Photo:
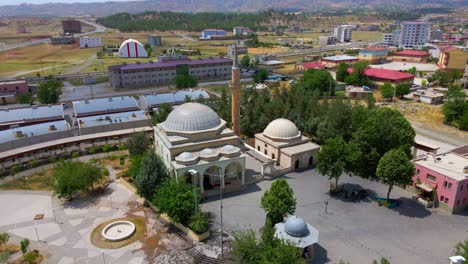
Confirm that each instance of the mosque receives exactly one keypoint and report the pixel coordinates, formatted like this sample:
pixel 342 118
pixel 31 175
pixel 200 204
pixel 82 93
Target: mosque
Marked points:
pixel 196 144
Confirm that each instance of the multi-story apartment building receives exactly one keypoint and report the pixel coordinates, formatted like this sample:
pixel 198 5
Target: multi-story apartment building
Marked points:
pixel 166 68
pixel 413 34
pixel 90 42
pixel 391 39
pixel 343 33
pixel 326 40
pixel 452 58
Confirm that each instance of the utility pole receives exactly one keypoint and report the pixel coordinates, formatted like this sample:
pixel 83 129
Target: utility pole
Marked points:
pixel 221 215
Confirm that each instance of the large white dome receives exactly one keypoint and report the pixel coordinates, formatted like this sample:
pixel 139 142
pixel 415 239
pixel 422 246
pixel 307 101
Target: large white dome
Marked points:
pixel 281 128
pixel 192 117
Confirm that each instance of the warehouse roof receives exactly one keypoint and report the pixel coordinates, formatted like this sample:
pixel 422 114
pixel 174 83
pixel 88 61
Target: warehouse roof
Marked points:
pixel 100 120
pixel 32 130
pixel 385 74
pixel 178 97
pixel 101 105
pixel 340 58
pixel 23 115
pixel 411 53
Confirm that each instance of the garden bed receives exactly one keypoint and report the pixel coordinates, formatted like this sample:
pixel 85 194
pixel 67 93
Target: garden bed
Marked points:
pixel 392 203
pixel 191 234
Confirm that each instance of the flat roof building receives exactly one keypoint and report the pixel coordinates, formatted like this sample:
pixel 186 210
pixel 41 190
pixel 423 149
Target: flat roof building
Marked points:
pixel 112 122
pixel 417 56
pixel 90 42
pixel 333 61
pixel 150 102
pixel 30 115
pixel 102 106
pixel 164 71
pixel 374 55
pixel 9 90
pixel 213 33
pixel 445 174
pixel 452 58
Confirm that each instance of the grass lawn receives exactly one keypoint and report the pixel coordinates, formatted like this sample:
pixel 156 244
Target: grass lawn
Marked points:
pixel 367 35
pixel 42 56
pixel 38 182
pixel 100 242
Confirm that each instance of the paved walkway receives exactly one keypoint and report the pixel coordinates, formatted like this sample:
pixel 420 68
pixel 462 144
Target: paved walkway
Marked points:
pixel 65 238
pixel 358 232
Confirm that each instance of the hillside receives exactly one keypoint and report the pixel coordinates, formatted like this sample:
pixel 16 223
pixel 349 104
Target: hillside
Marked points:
pixel 109 8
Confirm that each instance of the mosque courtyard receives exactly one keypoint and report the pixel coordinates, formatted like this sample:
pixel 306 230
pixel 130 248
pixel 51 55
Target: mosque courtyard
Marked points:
pixel 353 231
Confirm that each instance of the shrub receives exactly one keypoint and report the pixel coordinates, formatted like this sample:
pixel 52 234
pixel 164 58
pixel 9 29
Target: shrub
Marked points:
pixel 15 169
pixel 91 150
pixel 52 158
pixel 112 157
pixel 199 222
pixel 33 163
pixel 122 147
pixel 24 245
pixel 75 155
pixel 122 160
pixel 30 257
pixel 106 148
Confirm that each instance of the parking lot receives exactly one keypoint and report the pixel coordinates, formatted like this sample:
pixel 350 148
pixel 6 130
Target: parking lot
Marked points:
pixel 354 231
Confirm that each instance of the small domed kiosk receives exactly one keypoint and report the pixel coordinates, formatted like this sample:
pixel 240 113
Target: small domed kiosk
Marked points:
pixel 282 142
pixel 299 233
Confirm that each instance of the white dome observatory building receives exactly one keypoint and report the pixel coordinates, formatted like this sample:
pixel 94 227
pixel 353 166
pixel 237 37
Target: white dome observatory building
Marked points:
pixel 195 143
pixel 284 143
pixel 132 48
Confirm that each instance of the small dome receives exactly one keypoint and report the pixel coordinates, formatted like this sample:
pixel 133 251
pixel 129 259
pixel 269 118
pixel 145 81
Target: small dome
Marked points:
pixel 296 226
pixel 186 157
pixel 281 128
pixel 192 117
pixel 229 149
pixel 208 153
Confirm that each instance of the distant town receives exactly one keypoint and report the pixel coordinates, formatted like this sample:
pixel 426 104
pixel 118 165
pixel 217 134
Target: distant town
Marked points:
pixel 256 137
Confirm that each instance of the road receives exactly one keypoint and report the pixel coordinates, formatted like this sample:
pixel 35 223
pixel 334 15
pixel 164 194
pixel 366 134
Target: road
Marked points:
pixel 98 29
pixel 71 93
pixel 322 49
pixel 437 136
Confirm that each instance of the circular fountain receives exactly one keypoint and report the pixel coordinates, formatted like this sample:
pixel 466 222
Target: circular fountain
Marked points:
pixel 118 230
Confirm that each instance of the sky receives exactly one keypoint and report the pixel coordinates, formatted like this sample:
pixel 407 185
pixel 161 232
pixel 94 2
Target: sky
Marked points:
pixel 17 2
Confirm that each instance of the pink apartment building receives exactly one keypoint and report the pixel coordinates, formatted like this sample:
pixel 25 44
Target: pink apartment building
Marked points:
pixel 9 90
pixel 443 179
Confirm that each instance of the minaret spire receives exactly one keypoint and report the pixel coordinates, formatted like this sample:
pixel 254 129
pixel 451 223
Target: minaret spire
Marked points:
pixel 235 86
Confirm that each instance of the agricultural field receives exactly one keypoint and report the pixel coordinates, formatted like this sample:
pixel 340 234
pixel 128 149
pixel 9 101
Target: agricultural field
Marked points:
pixel 29 60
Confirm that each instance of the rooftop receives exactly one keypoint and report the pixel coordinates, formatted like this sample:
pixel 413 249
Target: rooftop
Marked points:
pixel 32 130
pixel 313 65
pixel 411 53
pixel 385 74
pixel 463 150
pixel 170 63
pixel 448 164
pixel 175 97
pixel 100 120
pixel 20 115
pixel 340 58
pixel 13 82
pixel 111 104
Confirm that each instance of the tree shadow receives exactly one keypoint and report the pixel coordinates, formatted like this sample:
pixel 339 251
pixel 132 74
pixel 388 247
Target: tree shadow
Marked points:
pixel 250 188
pixel 360 194
pixel 87 199
pixel 410 208
pixel 320 255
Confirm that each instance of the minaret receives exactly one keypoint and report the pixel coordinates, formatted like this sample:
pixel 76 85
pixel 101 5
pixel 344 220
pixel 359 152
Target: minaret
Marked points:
pixel 235 86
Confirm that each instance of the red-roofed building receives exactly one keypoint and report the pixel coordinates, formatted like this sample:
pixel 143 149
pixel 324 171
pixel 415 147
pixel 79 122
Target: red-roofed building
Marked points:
pixel 381 76
pixel 309 65
pixel 412 56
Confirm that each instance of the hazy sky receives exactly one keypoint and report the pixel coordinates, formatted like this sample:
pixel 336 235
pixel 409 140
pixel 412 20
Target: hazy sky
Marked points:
pixel 17 2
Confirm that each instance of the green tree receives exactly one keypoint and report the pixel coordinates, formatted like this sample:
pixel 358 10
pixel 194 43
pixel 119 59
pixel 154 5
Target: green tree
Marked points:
pixel 24 245
pixel 342 72
pixel 245 248
pixel 176 199
pixel 148 49
pixel 25 98
pixel 138 143
pixel 387 91
pixel 357 76
pixel 423 83
pixel 402 89
pixel 49 91
pixel 152 173
pixel 4 237
pixel 332 159
pixel 182 81
pixel 245 61
pixel 278 201
pixel 71 177
pixel 161 114
pixel 135 165
pixel 320 80
pixel 455 108
pixel 199 222
pixel 370 100
pixel 382 261
pixel 395 168
pixel 374 138
pixel 260 76
pixel 461 249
